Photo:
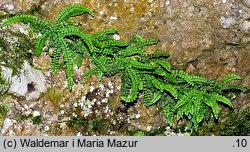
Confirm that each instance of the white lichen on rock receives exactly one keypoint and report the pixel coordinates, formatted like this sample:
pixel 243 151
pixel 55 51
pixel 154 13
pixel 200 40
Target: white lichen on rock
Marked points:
pixel 227 22
pixel 19 83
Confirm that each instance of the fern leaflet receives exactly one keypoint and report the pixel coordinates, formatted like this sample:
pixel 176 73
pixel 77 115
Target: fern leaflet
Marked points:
pixel 71 11
pixel 230 77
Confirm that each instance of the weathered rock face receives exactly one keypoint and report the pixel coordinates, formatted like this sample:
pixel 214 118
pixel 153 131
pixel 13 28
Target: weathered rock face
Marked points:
pixel 246 3
pixel 17 6
pixel 204 37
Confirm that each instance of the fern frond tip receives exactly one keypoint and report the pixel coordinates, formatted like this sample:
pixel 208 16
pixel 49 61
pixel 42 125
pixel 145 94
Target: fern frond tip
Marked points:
pixel 71 11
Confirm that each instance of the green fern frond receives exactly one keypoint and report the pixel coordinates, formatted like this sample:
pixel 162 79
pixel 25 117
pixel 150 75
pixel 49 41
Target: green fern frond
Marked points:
pixel 233 87
pixel 147 96
pixel 100 62
pixel 71 11
pixel 89 73
pixel 184 99
pixel 55 60
pixel 74 31
pixel 157 84
pixel 190 108
pixel 139 65
pixel 99 74
pixel 180 114
pixel 193 80
pixel 171 89
pixel 169 113
pixel 105 51
pixel 211 102
pixel 148 42
pixel 230 77
pixel 156 97
pixel 68 55
pixel 169 77
pixel 134 89
pixel 179 94
pixel 166 65
pixel 112 69
pixel 100 35
pixel 78 47
pixel 126 83
pixel 40 42
pixel 221 98
pixel 131 50
pixel 165 87
pixel 34 21
pixel 200 116
pixel 78 60
pixel 144 42
pixel 110 43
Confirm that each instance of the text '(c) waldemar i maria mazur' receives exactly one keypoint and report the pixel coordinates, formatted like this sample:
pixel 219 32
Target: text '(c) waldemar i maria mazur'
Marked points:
pixel 78 143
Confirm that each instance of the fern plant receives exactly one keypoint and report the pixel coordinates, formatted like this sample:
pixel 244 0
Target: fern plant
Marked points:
pixel 180 95
pixel 119 57
pixel 57 36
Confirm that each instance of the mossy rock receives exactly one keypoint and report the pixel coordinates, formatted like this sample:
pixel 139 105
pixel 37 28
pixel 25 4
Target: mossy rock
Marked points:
pixel 14 49
pixel 235 123
pixel 3 113
pixel 4 84
pixel 3 14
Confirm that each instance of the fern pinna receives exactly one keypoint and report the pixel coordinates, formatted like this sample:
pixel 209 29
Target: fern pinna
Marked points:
pixel 56 35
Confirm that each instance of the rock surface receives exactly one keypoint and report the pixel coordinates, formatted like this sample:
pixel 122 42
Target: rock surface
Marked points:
pixel 29 83
pixel 17 6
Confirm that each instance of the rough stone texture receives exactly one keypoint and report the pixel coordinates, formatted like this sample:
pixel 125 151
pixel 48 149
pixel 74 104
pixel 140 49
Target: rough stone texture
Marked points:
pixel 246 3
pixel 147 119
pixel 204 37
pixel 18 6
pixel 26 128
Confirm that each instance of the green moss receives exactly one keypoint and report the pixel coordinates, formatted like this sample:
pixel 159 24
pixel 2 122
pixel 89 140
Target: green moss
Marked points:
pixel 14 49
pixel 36 120
pixel 35 10
pixel 78 122
pixel 157 132
pixel 3 113
pixel 3 14
pixel 4 85
pixel 97 124
pixel 137 133
pixel 94 125
pixel 53 95
pixel 234 123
